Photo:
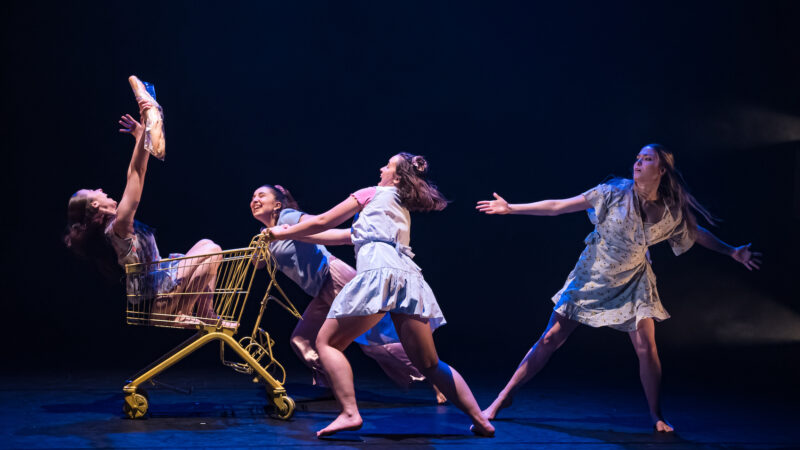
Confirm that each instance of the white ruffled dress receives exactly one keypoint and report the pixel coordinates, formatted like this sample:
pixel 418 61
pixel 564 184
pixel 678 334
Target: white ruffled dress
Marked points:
pixel 387 279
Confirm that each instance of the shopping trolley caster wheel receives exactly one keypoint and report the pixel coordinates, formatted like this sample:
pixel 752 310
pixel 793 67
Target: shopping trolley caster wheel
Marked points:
pixel 135 406
pixel 284 407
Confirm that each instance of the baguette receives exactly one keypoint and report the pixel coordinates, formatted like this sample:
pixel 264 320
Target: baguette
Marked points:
pixel 154 141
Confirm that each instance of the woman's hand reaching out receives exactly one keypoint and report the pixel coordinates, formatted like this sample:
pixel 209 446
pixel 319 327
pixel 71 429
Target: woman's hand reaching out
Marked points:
pixel 749 258
pixel 273 232
pixel 497 206
pixel 131 126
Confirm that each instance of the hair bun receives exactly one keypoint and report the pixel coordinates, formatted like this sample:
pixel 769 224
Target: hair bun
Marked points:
pixel 420 164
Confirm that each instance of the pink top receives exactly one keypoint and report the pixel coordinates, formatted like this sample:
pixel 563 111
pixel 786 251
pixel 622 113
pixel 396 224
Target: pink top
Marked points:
pixel 364 196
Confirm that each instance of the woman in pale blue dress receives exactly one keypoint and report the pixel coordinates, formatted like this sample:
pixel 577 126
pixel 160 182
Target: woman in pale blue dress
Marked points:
pixel 387 280
pixel 322 276
pixel 613 284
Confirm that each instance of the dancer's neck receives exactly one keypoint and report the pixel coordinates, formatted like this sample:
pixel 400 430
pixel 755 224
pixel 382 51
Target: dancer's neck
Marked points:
pixel 647 192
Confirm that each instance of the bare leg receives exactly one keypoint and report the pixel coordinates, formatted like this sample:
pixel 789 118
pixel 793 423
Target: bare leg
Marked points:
pixel 334 336
pixel 304 338
pixel 417 339
pixel 198 275
pixel 395 363
pixel 558 330
pixel 644 342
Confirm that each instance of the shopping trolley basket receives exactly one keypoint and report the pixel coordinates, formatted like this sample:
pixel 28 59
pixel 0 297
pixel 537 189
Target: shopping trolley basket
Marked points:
pixel 207 293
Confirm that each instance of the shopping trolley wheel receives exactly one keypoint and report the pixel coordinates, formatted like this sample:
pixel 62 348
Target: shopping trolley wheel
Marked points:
pixel 135 406
pixel 284 407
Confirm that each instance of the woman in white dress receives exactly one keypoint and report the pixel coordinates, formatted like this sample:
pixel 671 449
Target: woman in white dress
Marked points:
pixel 322 276
pixel 387 280
pixel 613 284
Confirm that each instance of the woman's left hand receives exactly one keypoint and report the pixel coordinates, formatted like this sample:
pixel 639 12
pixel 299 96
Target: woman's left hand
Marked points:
pixel 130 126
pixel 749 258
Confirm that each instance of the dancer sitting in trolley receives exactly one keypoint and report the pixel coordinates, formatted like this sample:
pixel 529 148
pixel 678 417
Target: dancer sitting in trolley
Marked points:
pixel 322 276
pixel 387 280
pixel 107 234
pixel 613 284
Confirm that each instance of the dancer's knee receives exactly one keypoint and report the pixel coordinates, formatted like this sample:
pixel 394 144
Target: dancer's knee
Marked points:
pixel 207 243
pixel 322 341
pixel 647 352
pixel 299 343
pixel 550 341
pixel 428 366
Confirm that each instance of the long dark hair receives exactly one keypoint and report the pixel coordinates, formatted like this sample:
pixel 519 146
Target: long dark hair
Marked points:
pixel 85 236
pixel 282 195
pixel 416 192
pixel 674 191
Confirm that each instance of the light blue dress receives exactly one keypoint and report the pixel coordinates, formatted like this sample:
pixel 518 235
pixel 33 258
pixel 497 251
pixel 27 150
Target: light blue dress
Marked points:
pixel 305 264
pixel 308 265
pixel 613 284
pixel 387 279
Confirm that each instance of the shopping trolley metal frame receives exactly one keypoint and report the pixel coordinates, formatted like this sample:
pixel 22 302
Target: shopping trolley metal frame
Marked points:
pixel 207 293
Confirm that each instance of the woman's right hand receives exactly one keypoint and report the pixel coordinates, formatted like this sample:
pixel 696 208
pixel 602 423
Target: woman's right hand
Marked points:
pixel 497 206
pixel 270 232
pixel 144 105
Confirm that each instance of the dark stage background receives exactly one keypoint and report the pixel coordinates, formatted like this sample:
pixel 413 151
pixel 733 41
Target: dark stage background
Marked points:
pixel 533 101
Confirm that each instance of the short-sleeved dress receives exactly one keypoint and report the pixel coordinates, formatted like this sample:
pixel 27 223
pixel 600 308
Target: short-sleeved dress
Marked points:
pixel 310 266
pixel 613 284
pixel 140 247
pixel 387 279
pixel 305 264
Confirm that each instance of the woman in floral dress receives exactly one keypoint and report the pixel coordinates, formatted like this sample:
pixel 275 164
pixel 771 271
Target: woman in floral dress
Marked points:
pixel 613 284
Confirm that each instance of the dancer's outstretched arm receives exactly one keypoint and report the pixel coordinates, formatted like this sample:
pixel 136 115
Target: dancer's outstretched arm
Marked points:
pixel 742 254
pixel 336 236
pixel 316 224
pixel 542 208
pixel 123 225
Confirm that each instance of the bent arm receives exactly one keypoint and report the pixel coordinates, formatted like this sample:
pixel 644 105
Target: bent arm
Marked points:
pixel 336 236
pixel 316 224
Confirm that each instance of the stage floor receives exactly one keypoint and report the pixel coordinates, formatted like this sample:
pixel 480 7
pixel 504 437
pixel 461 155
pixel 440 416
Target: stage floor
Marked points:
pixel 226 410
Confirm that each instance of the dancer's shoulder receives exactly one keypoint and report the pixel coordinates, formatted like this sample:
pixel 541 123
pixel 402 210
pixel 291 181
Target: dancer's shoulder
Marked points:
pixel 365 195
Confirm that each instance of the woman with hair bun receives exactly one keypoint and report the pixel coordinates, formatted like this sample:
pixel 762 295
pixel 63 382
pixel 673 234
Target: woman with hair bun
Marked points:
pixel 613 284
pixel 387 281
pixel 322 276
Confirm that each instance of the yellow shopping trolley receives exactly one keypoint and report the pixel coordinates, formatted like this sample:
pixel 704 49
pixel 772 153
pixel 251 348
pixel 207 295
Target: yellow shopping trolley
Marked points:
pixel 207 293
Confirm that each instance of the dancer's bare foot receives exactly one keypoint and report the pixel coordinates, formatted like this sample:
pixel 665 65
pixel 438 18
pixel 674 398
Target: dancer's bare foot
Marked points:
pixel 345 422
pixel 491 412
pixel 482 428
pixel 440 398
pixel 662 426
pixel 186 321
pixel 218 321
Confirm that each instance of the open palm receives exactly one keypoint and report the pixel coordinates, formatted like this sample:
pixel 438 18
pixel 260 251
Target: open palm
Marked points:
pixel 497 206
pixel 749 258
